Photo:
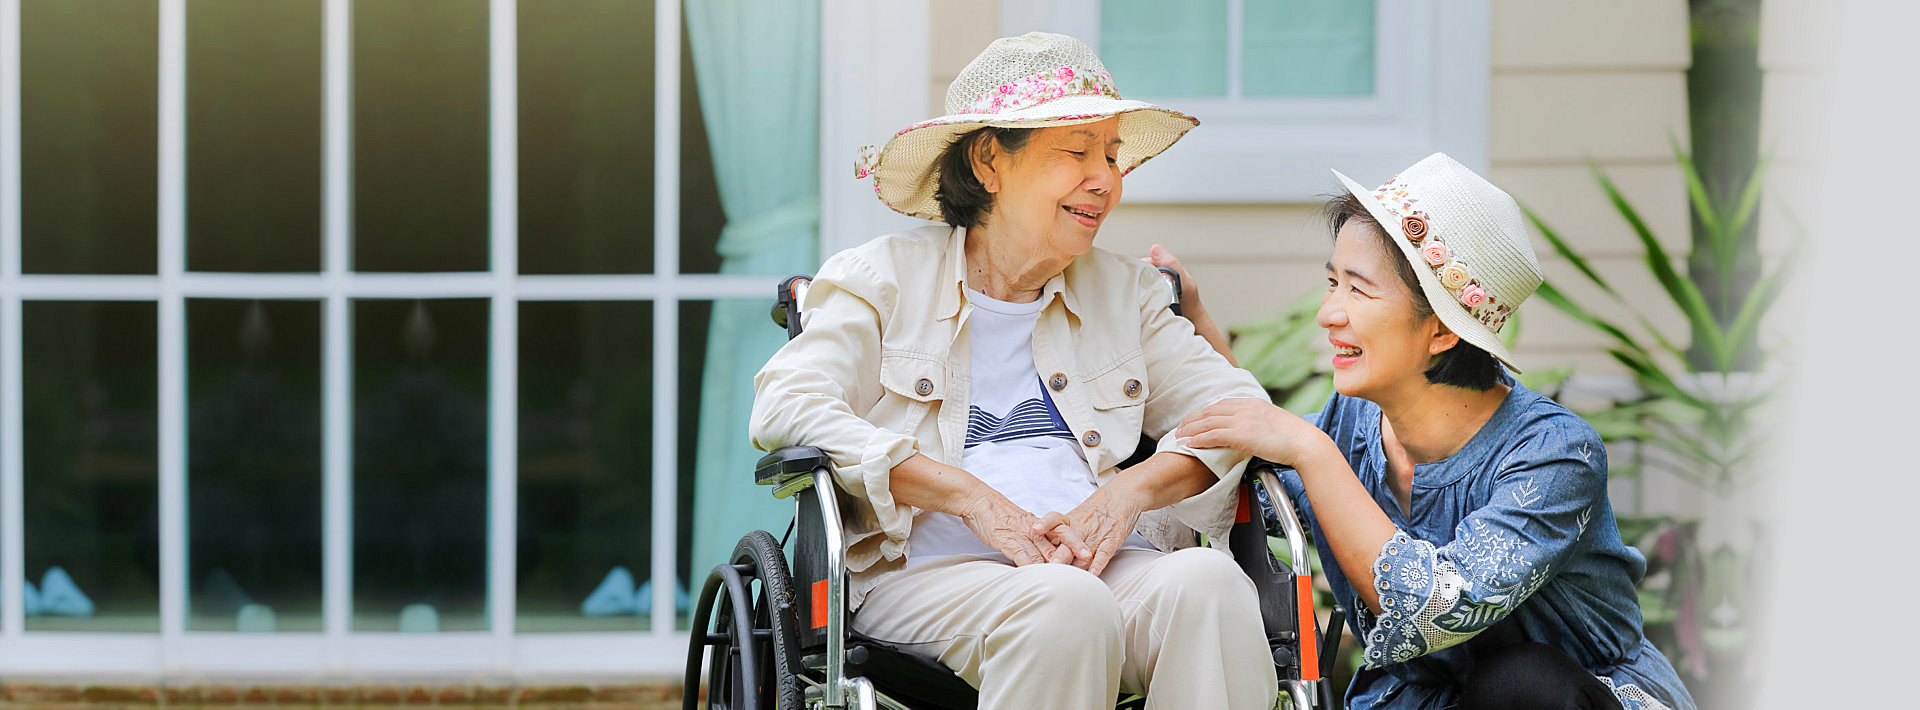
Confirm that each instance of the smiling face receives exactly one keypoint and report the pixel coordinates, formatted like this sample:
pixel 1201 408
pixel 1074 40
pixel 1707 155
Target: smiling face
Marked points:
pixel 1382 344
pixel 1057 190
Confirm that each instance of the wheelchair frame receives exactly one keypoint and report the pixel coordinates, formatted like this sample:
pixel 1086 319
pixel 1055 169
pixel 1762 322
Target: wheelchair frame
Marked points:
pixel 806 657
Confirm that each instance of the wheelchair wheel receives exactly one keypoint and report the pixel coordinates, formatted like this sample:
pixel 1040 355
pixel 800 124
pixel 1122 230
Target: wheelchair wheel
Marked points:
pixel 752 644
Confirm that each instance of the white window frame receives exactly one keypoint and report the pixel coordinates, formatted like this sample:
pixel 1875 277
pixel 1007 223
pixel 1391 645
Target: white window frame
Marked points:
pixel 1431 84
pixel 338 652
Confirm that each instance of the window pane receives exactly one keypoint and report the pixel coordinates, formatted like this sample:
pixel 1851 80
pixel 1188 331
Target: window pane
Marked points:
pixel 586 136
pixel 92 478
pixel 586 461
pixel 253 135
pixel 420 121
pixel 1307 48
pixel 420 465
pixel 1165 49
pixel 88 125
pixel 253 465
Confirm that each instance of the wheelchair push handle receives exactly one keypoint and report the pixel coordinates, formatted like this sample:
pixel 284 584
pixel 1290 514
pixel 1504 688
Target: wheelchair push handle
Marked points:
pixel 786 302
pixel 1173 280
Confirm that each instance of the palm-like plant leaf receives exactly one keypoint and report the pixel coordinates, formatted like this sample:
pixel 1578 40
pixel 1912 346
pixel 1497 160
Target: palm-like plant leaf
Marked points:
pixel 1696 189
pixel 1758 301
pixel 1683 291
pixel 1560 247
pixel 1547 292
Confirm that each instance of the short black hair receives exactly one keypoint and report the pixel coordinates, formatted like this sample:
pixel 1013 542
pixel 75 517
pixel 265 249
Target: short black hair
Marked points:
pixel 964 202
pixel 1464 365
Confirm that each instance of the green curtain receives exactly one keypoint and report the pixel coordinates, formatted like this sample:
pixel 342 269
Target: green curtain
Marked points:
pixel 757 64
pixel 1289 48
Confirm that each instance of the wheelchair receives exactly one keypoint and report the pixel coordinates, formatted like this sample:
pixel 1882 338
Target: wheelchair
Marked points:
pixel 776 636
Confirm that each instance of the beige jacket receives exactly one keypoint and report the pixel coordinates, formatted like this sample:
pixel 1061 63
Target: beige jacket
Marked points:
pixel 880 372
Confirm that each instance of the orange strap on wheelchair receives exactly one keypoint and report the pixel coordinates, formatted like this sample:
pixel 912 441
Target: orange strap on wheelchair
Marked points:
pixel 1309 639
pixel 1245 513
pixel 819 599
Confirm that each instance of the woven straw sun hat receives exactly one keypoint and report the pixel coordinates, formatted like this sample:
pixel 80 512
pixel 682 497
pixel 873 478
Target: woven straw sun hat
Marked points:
pixel 1031 81
pixel 1467 241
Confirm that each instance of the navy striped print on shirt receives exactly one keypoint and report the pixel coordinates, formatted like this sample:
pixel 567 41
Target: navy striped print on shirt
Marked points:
pixel 1028 419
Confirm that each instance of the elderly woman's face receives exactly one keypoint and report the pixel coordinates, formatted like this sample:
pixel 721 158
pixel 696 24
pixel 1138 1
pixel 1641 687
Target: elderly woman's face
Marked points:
pixel 1059 188
pixel 1380 343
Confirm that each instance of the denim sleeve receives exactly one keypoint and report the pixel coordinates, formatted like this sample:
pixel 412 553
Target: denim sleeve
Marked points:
pixel 1543 499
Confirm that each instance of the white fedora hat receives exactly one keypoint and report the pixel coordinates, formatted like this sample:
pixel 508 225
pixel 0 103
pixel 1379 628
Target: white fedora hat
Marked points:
pixel 1031 81
pixel 1467 241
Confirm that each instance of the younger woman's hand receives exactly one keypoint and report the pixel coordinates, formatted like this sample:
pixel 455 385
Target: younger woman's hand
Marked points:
pixel 1255 426
pixel 1189 289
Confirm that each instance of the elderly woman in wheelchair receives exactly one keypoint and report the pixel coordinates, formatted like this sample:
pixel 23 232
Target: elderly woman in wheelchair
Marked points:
pixel 976 386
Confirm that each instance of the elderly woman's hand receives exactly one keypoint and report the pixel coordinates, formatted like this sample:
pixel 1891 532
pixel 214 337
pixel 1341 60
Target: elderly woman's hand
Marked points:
pixel 1092 532
pixel 1010 529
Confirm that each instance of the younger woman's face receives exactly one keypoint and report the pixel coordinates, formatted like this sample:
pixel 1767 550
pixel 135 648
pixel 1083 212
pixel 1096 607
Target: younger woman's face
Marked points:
pixel 1380 345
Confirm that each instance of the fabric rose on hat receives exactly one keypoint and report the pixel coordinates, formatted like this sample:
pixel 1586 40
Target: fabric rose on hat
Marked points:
pixel 1414 227
pixel 1434 252
pixel 1472 296
pixel 1453 276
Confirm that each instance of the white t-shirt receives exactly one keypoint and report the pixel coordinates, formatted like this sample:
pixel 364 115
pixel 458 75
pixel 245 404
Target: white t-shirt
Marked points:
pixel 1016 440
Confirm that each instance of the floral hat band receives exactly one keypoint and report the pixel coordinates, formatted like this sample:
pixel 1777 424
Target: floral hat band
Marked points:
pixel 1453 273
pixel 1467 241
pixel 1025 92
pixel 1045 86
pixel 1035 80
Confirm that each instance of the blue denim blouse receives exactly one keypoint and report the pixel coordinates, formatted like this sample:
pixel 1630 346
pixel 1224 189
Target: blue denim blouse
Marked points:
pixel 1516 525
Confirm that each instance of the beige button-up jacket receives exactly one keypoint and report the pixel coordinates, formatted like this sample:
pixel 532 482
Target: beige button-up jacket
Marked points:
pixel 880 373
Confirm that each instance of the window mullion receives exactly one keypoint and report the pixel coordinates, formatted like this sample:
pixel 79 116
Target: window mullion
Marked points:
pixel 503 406
pixel 1236 46
pixel 13 551
pixel 173 338
pixel 666 310
pixel 337 433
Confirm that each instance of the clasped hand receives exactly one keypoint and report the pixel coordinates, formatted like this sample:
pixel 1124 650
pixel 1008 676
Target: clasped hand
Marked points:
pixel 1086 537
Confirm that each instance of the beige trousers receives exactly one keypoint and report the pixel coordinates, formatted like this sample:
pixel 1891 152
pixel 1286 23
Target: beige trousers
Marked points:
pixel 1185 626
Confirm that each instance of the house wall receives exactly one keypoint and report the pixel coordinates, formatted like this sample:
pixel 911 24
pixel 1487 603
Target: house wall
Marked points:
pixel 1575 85
pixel 1572 82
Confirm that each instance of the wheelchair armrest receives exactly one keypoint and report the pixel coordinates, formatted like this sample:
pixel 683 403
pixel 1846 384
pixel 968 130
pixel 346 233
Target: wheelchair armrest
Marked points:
pixel 1256 467
pixel 789 465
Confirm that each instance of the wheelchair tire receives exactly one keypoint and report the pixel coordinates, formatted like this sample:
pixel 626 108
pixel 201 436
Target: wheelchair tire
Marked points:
pixel 775 627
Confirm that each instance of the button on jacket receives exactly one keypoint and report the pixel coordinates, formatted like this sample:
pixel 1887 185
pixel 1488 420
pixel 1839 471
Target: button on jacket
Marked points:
pixel 880 373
